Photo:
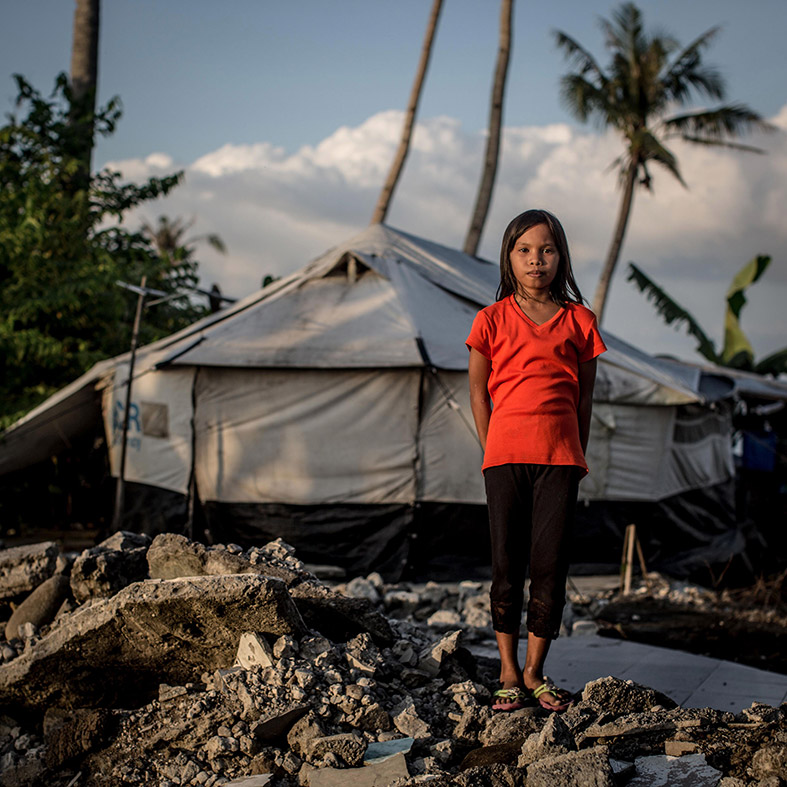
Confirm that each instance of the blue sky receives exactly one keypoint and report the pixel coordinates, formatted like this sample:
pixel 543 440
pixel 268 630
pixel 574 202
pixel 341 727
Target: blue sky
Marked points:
pixel 284 115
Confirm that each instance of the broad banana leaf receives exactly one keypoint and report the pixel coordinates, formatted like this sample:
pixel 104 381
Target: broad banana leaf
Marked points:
pixel 672 311
pixel 738 352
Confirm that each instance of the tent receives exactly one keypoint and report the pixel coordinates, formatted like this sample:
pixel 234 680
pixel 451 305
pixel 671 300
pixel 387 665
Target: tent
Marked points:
pixel 332 408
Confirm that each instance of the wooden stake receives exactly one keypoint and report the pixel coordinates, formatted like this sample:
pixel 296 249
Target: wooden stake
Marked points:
pixel 631 537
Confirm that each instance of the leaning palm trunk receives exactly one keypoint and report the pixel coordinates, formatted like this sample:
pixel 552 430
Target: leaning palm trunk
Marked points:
pixel 384 201
pixel 484 197
pixel 626 201
pixel 84 79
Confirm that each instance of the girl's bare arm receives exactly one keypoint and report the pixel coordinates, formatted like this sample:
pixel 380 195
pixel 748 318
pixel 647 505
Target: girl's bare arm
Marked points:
pixel 478 371
pixel 587 379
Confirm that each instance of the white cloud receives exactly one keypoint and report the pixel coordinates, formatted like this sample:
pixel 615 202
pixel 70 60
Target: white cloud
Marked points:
pixel 278 210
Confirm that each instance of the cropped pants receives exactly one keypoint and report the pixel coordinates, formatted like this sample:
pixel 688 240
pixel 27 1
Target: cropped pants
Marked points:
pixel 531 516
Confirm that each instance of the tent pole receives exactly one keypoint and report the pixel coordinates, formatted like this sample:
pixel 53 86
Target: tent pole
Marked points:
pixel 120 489
pixel 192 490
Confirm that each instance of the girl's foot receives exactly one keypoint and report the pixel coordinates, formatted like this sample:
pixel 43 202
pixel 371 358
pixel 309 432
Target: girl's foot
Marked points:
pixel 511 699
pixel 550 696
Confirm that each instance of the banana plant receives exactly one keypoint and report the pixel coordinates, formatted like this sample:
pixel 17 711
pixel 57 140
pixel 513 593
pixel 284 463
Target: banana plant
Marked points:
pixel 737 352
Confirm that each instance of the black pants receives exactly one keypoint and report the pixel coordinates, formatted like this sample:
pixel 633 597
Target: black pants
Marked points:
pixel 531 514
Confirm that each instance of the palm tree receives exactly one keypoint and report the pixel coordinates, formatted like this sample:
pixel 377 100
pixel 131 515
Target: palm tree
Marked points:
pixel 484 197
pixel 168 237
pixel 84 80
pixel 648 77
pixel 384 201
pixel 737 352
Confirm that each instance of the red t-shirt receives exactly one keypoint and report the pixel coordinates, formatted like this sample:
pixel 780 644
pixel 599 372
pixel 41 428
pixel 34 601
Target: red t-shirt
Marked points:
pixel 534 381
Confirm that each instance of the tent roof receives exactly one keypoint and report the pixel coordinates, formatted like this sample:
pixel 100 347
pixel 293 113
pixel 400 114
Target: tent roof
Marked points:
pixel 385 298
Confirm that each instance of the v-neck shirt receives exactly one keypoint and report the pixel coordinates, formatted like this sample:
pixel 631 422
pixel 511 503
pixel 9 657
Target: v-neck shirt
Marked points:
pixel 534 381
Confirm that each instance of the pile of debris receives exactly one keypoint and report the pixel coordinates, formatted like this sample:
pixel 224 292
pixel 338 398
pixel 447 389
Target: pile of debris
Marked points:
pixel 172 663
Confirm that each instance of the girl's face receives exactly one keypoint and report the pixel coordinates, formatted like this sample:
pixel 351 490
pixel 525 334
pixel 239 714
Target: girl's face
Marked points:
pixel 535 260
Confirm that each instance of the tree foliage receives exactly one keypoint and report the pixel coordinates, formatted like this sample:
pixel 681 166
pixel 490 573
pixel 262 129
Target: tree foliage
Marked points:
pixel 648 78
pixel 62 249
pixel 737 352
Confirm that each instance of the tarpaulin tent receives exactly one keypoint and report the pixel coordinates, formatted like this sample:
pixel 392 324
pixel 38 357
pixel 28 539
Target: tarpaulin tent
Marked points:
pixel 331 405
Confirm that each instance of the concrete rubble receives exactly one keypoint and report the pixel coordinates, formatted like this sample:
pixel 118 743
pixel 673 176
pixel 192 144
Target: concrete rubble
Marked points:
pixel 172 663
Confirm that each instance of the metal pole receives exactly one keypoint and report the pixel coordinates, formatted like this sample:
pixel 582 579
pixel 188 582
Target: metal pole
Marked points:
pixel 120 489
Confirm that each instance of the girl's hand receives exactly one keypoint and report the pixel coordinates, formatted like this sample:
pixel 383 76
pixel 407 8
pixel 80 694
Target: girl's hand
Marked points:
pixel 587 379
pixel 478 369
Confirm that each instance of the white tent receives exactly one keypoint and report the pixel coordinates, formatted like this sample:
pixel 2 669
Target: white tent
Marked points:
pixel 346 383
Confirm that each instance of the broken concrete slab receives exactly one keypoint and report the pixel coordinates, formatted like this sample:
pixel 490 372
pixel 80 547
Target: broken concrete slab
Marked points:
pixel 588 768
pixel 24 568
pixel 103 570
pixel 40 607
pixel 152 631
pixel 373 774
pixel 625 696
pixel 660 770
pixel 172 556
pixel 340 617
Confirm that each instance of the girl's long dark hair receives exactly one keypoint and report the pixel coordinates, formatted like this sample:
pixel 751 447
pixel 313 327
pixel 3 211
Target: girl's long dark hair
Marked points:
pixel 564 288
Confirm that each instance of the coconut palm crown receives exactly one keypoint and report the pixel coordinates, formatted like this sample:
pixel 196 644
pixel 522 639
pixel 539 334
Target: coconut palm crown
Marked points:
pixel 649 78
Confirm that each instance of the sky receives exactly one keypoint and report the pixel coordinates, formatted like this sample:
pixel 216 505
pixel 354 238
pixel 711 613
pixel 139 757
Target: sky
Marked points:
pixel 285 115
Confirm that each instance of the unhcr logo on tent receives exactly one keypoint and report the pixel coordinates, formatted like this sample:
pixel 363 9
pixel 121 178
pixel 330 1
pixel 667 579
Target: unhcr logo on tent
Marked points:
pixel 146 418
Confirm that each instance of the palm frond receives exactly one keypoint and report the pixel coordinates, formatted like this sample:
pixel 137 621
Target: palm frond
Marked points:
pixel 686 71
pixel 715 143
pixel 652 149
pixel 672 312
pixel 730 120
pixel 576 54
pixel 582 98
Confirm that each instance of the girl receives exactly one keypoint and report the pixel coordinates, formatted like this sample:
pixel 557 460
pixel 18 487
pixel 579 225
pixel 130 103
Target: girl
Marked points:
pixel 533 355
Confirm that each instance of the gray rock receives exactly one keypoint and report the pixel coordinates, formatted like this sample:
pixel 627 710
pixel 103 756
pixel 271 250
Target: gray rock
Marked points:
pixel 624 696
pixel 303 733
pixel 276 723
pixel 347 747
pixel 406 719
pixel 23 569
pixel 103 570
pixel 373 718
pixel 472 724
pixel 362 588
pixel 760 712
pixel 588 768
pixel 40 607
pixel 432 657
pixel 508 727
pixel 662 771
pixel 770 761
pixel 150 632
pixel 363 654
pixel 555 738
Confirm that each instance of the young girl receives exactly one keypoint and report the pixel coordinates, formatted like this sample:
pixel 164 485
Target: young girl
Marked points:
pixel 533 356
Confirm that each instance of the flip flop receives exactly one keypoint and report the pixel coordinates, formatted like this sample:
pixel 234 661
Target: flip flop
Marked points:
pixel 564 698
pixel 510 699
